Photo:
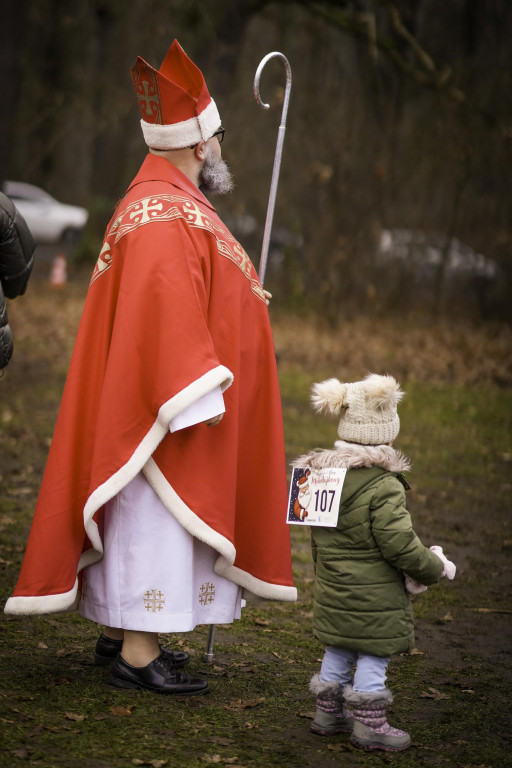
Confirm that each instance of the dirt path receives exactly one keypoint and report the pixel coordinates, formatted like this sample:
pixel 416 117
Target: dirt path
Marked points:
pixel 452 693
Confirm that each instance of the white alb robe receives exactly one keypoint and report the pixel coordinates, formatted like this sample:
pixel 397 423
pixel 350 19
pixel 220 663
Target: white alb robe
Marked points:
pixel 155 576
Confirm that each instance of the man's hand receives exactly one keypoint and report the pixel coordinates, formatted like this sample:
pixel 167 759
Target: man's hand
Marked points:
pixel 268 296
pixel 215 420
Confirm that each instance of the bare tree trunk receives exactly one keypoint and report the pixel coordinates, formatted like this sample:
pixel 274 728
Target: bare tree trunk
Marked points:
pixel 439 305
pixel 11 31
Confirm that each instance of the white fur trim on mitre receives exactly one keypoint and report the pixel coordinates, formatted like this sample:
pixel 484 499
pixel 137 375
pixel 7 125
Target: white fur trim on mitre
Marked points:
pixel 183 134
pixel 328 396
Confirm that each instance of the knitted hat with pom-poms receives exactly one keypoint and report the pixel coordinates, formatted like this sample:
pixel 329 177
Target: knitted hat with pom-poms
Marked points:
pixel 368 408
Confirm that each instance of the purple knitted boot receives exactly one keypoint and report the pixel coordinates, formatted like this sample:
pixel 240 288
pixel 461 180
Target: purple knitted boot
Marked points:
pixel 331 717
pixel 371 728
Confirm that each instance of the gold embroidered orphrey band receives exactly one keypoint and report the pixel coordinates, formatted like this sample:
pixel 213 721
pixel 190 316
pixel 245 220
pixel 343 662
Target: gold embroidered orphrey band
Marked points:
pixel 168 208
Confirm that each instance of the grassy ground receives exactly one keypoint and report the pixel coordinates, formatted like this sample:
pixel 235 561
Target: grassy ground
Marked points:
pixel 452 694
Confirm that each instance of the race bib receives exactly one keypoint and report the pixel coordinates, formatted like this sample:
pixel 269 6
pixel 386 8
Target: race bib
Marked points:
pixel 315 496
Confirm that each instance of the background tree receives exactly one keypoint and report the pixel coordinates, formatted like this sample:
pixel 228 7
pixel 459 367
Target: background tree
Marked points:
pixel 399 121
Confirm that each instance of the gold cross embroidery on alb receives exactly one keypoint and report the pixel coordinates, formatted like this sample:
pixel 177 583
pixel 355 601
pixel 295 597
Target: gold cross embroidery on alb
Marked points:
pixel 207 593
pixel 154 600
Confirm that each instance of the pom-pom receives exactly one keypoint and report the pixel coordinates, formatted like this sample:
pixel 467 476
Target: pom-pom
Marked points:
pixel 329 396
pixel 382 392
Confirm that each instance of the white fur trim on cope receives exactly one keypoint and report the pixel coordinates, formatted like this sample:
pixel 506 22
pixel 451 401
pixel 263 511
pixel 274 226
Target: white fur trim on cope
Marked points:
pixel 219 376
pixel 38 604
pixel 200 530
pixel 183 134
pixel 252 586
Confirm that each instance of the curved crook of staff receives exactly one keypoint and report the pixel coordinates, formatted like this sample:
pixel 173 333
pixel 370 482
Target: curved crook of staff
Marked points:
pixel 278 154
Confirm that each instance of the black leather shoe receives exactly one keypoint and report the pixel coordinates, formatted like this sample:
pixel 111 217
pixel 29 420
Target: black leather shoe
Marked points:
pixel 107 649
pixel 160 676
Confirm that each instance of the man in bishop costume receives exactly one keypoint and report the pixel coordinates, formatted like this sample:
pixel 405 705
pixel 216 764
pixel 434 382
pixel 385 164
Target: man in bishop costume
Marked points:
pixel 163 501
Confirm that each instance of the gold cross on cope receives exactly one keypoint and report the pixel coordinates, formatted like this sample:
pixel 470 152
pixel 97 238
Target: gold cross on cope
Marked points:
pixel 146 209
pixel 154 600
pixel 148 101
pixel 195 216
pixel 207 593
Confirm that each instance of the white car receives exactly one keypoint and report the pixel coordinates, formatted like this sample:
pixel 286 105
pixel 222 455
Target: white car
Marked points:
pixel 49 221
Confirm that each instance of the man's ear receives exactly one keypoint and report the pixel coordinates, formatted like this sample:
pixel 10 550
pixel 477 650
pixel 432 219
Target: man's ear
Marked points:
pixel 200 150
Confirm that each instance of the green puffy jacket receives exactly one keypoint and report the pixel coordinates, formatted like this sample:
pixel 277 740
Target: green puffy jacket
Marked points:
pixel 360 599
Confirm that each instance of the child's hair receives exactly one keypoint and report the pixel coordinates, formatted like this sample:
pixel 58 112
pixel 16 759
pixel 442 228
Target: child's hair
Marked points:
pixel 368 408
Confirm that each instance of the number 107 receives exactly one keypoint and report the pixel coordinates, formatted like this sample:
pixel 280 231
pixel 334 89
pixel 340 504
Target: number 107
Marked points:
pixel 322 499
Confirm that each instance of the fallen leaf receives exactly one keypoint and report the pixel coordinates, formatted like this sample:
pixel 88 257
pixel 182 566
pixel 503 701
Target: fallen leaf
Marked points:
pixel 448 617
pixel 238 705
pixel 22 753
pixel 276 655
pixel 63 680
pixel 118 710
pixel 211 758
pixel 467 690
pixel 221 740
pixel 433 693
pixel 416 652
pixel 64 652
pixel 307 715
pixel 492 610
pixel 76 718
pixel 251 725
pixel 42 645
pixel 19 491
pixel 7 415
pixel 262 622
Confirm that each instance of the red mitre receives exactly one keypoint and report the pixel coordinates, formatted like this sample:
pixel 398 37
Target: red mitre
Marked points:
pixel 175 106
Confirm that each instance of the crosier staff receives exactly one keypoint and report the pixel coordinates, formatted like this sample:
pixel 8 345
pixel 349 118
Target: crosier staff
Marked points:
pixel 278 153
pixel 209 655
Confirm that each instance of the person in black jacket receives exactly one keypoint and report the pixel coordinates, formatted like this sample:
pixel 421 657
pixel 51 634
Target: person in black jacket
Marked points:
pixel 17 248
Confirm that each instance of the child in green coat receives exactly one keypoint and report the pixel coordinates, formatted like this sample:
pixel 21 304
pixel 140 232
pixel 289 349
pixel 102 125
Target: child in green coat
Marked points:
pixel 366 565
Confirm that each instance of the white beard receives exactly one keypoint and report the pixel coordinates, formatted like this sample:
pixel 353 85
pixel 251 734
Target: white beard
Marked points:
pixel 215 175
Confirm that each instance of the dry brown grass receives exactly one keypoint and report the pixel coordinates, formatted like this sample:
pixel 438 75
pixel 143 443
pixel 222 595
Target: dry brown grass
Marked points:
pixel 411 351
pixel 415 350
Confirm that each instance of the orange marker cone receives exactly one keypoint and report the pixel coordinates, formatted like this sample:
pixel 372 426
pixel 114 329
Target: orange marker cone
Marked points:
pixel 58 275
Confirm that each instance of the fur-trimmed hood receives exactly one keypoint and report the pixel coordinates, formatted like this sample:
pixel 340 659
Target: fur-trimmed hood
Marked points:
pixel 353 456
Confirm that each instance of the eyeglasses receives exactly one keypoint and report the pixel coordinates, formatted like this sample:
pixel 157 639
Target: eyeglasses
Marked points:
pixel 220 134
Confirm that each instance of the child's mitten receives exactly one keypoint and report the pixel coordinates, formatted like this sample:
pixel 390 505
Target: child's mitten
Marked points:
pixel 414 587
pixel 449 567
